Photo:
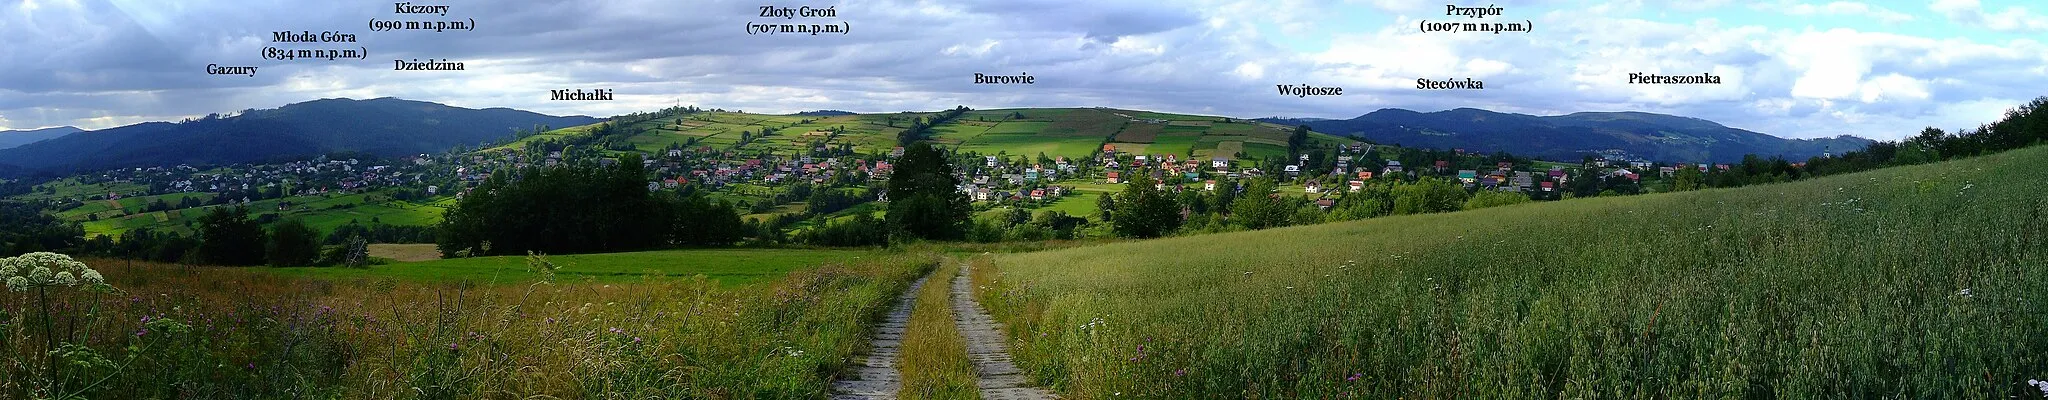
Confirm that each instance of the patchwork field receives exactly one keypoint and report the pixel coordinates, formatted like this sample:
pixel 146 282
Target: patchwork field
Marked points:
pixel 1918 282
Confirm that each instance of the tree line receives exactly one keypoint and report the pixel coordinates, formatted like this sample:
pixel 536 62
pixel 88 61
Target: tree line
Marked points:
pixel 581 207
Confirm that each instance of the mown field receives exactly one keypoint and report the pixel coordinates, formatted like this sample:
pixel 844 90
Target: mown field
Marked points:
pixel 728 267
pixel 205 332
pixel 1913 282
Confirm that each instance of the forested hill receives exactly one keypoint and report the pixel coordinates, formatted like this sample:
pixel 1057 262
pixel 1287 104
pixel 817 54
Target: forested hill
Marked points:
pixel 1651 136
pixel 383 126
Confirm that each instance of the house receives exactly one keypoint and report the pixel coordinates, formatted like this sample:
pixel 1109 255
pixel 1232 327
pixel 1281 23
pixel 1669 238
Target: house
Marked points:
pixel 433 190
pixel 1325 203
pixel 1364 175
pixel 1468 176
pixel 669 183
pixel 1357 186
pixel 1666 171
pixel 675 152
pixel 1293 169
pixel 983 194
pixel 1504 165
pixel 1038 194
pixel 1108 149
pixel 1548 186
pixel 1209 185
pixel 1392 167
pixel 1219 162
pixel 896 152
pixel 1441 165
pixel 1312 187
pixel 1114 177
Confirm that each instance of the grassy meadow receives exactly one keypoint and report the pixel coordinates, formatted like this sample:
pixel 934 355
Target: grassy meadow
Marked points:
pixel 724 266
pixel 1914 282
pixel 200 332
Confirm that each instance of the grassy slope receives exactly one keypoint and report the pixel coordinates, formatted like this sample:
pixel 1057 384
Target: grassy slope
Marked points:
pixel 727 266
pixel 1915 282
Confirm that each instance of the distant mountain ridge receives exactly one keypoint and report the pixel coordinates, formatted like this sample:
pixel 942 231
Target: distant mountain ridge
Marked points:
pixel 383 126
pixel 16 138
pixel 1652 136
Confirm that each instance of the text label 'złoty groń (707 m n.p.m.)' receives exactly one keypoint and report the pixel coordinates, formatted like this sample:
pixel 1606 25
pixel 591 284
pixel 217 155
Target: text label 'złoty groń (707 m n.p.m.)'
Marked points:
pixel 755 28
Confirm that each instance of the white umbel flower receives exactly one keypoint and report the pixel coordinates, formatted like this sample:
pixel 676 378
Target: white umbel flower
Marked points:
pixel 16 283
pixel 92 277
pixel 41 275
pixel 66 279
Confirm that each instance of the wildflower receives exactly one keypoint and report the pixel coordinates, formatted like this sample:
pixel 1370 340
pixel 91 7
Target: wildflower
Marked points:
pixel 66 279
pixel 1354 377
pixel 452 346
pixel 1965 293
pixel 1247 273
pixel 636 339
pixel 18 284
pixel 142 332
pixel 1180 372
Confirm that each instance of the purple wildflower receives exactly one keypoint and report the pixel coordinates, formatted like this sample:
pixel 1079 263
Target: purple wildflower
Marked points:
pixel 1180 372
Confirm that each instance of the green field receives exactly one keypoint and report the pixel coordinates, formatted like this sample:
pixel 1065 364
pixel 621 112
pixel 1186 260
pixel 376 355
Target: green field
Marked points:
pixel 69 188
pixel 1913 282
pixel 322 212
pixel 727 266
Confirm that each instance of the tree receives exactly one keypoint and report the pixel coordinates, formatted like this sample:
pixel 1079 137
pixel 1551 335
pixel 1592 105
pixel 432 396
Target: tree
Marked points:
pixel 1259 208
pixel 579 207
pixel 1687 178
pixel 1105 207
pixel 229 237
pixel 924 201
pixel 1143 211
pixel 292 244
pixel 1297 139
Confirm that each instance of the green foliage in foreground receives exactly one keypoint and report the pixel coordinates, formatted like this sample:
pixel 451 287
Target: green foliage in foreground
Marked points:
pixel 1913 282
pixel 726 266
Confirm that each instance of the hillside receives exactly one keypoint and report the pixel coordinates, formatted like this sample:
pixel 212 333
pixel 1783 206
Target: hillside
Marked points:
pixel 1921 281
pixel 1055 132
pixel 1567 137
pixel 12 139
pixel 383 126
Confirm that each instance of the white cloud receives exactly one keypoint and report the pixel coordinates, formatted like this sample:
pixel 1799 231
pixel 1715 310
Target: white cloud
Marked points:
pixel 1841 8
pixel 2011 19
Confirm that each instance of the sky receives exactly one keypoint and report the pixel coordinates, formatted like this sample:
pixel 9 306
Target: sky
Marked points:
pixel 1791 68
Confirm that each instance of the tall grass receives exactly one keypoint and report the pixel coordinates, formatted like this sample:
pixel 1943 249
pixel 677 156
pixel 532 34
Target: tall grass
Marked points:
pixel 1916 282
pixel 935 364
pixel 184 332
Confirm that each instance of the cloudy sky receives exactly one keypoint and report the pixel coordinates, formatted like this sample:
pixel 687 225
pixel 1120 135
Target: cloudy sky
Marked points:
pixel 1794 68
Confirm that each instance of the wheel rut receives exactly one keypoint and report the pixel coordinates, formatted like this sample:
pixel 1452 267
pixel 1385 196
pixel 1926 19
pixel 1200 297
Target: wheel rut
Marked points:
pixel 875 376
pixel 987 347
